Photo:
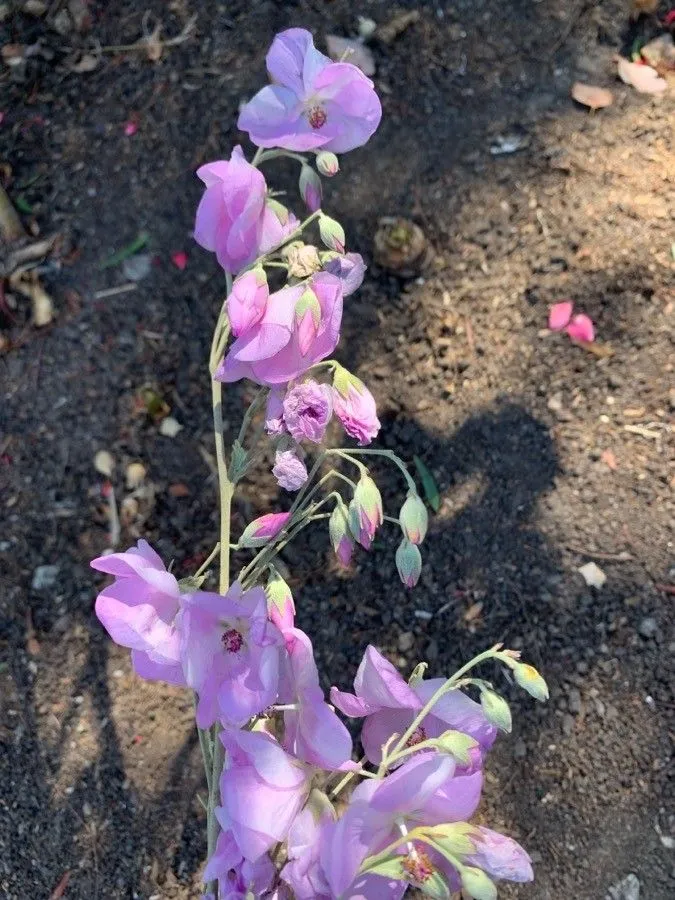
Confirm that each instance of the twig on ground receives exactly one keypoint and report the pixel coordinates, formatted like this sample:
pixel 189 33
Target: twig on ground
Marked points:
pixel 623 556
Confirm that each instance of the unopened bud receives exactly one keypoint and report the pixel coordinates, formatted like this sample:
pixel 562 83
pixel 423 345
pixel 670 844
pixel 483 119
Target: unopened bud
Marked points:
pixel 476 884
pixel 340 535
pixel 260 531
pixel 310 188
pixel 414 518
pixel 327 163
pixel 332 233
pixel 496 710
pixel 279 210
pixel 457 744
pixel 408 563
pixel 531 681
pixel 365 511
pixel 280 605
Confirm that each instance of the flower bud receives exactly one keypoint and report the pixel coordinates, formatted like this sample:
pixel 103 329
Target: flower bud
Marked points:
pixel 279 210
pixel 332 233
pixel 310 188
pixel 476 884
pixel 414 518
pixel 260 531
pixel 307 318
pixel 496 710
pixel 365 511
pixel 280 605
pixel 457 744
pixel 354 406
pixel 531 681
pixel 340 535
pixel 327 163
pixel 408 563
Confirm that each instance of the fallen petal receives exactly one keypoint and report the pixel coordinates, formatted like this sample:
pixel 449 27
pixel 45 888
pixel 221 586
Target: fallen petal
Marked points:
pixel 592 575
pixel 643 78
pixel 581 328
pixel 591 96
pixel 179 259
pixel 559 315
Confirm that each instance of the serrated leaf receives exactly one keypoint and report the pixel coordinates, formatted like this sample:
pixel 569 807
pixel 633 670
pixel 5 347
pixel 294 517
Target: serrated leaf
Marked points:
pixel 431 492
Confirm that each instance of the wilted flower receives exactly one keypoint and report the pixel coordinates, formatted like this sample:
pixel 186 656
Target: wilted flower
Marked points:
pixel 230 653
pixel 139 611
pixel 390 704
pixel 274 411
pixel 313 102
pixel 300 327
pixel 354 406
pixel 303 260
pixel 308 408
pixel 234 218
pixel 289 470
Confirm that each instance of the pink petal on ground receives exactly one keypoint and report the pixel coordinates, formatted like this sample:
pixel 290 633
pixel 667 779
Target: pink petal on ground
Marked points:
pixel 581 329
pixel 130 128
pixel 179 259
pixel 559 315
pixel 643 78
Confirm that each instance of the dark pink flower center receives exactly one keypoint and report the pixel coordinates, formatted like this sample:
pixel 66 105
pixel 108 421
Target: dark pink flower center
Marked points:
pixel 232 640
pixel 417 866
pixel 317 116
pixel 418 735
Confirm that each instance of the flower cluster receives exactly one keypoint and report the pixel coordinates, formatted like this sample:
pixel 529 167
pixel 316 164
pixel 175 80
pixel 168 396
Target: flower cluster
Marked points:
pixel 289 812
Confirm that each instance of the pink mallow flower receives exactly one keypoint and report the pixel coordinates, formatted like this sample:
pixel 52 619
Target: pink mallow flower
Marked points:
pixel 247 300
pixel 308 407
pixel 578 327
pixel 390 704
pixel 423 791
pixel 139 610
pixel 231 654
pixel 299 327
pixel 354 406
pixel 313 732
pixel 313 102
pixel 262 789
pixel 289 470
pixel 234 218
pixel 237 876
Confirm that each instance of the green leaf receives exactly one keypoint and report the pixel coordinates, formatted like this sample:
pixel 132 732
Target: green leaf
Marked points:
pixel 23 205
pixel 126 252
pixel 431 492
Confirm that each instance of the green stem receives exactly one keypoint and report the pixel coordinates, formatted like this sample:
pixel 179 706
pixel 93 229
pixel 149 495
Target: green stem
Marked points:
pixel 225 495
pixel 207 562
pixel 448 685
pixel 389 454
pixel 268 155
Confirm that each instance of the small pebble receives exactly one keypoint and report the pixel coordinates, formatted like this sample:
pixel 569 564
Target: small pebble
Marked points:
pixel 406 641
pixel 44 577
pixel 648 627
pixel 574 701
pixel 520 749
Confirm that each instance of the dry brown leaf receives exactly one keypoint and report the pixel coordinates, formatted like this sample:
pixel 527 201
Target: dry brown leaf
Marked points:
pixel 179 490
pixel 643 7
pixel 135 475
pixel 473 612
pixel 643 78
pixel 389 32
pixel 591 96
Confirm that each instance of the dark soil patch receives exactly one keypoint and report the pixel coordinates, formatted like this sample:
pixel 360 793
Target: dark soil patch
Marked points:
pixel 99 771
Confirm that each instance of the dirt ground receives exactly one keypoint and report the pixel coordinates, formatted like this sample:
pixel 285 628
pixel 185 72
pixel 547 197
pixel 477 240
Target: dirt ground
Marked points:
pixel 548 456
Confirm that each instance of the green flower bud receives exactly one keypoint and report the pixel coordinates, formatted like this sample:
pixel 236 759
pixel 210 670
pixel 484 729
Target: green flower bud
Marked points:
pixel 365 511
pixel 310 188
pixel 332 233
pixel 280 605
pixel 457 744
pixel 327 163
pixel 476 884
pixel 340 534
pixel 531 681
pixel 496 710
pixel 414 518
pixel 408 563
pixel 278 209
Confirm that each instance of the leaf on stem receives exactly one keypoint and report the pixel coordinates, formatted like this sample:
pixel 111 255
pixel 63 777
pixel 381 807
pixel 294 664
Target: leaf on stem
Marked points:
pixel 431 492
